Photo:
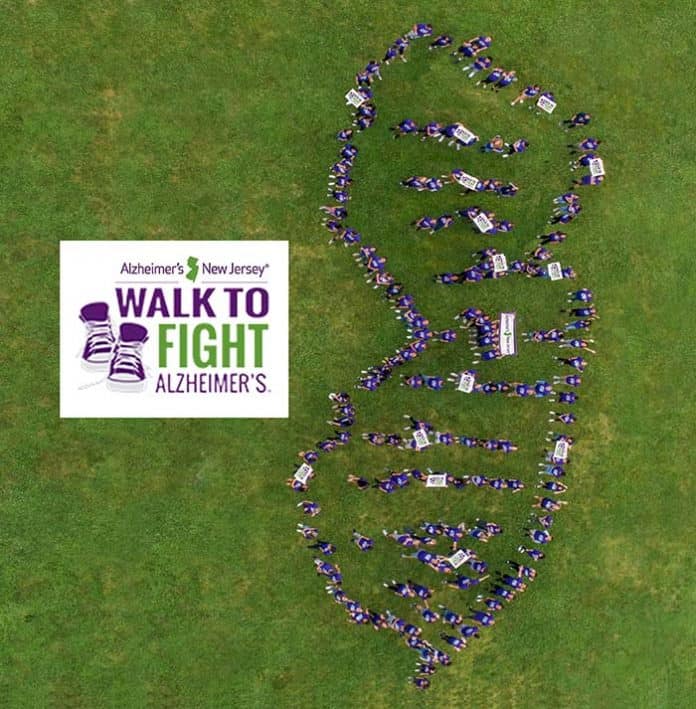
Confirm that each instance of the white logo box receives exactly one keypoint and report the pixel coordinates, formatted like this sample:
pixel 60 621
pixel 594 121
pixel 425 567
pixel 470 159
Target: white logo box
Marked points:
pixel 251 275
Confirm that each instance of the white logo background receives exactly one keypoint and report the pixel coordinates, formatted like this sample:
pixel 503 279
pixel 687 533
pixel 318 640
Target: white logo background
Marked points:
pixel 90 271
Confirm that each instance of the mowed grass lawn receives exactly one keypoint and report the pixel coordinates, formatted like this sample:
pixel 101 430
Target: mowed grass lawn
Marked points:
pixel 153 562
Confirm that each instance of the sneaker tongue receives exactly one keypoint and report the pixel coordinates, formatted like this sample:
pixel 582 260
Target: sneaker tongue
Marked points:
pixel 95 311
pixel 130 332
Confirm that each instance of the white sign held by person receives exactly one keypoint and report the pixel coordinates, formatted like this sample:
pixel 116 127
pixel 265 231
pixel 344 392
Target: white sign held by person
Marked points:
pixel 465 135
pixel 421 439
pixel 508 341
pixel 468 181
pixel 560 452
pixel 499 263
pixel 355 98
pixel 459 558
pixel 303 473
pixel 439 480
pixel 554 270
pixel 546 104
pixel 596 167
pixel 483 223
pixel 466 383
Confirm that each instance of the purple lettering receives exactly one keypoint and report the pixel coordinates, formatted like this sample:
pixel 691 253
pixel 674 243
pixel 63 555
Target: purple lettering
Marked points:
pixel 262 308
pixel 234 300
pixel 158 304
pixel 200 300
pixel 130 302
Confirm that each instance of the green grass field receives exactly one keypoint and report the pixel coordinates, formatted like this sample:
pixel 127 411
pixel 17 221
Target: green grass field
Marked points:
pixel 153 563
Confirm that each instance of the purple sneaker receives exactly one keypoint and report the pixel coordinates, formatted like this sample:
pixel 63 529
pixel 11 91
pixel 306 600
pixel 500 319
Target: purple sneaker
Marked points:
pixel 126 371
pixel 100 343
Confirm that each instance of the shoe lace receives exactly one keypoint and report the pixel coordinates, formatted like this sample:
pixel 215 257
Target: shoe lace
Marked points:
pixel 100 334
pixel 127 357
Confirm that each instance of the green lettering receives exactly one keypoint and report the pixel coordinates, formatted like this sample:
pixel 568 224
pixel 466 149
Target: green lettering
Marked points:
pixel 164 343
pixel 210 350
pixel 258 329
pixel 228 344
